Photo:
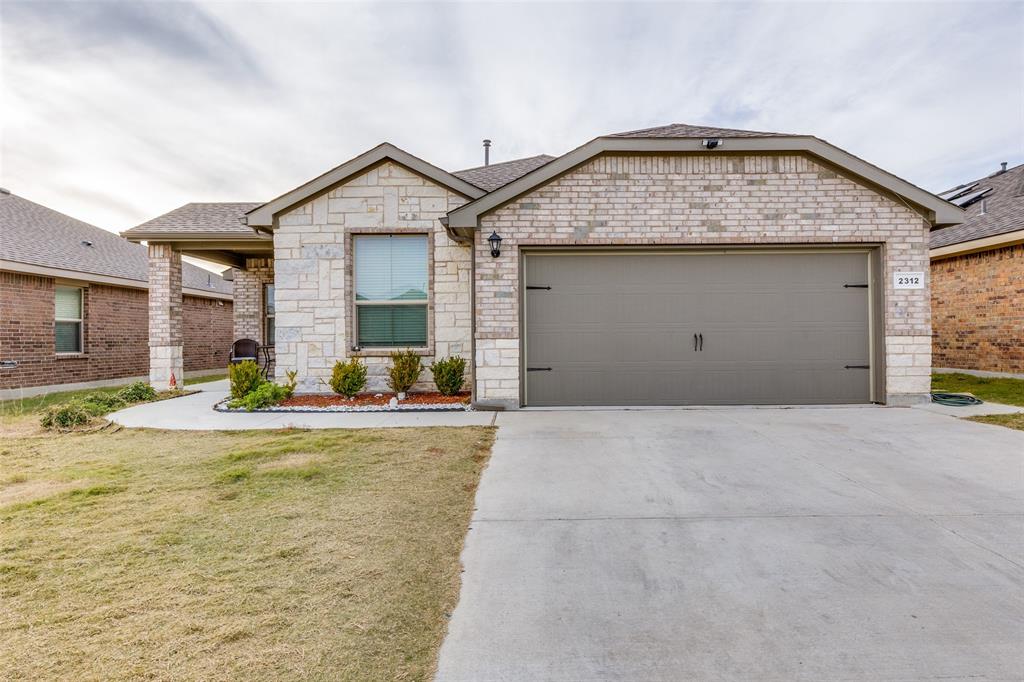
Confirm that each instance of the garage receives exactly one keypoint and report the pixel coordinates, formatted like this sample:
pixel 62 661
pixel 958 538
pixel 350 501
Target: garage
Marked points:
pixel 700 327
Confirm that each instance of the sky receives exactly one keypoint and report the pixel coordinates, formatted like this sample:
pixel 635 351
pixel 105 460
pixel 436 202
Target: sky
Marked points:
pixel 115 113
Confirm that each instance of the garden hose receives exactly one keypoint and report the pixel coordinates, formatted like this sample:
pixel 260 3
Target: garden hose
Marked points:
pixel 955 399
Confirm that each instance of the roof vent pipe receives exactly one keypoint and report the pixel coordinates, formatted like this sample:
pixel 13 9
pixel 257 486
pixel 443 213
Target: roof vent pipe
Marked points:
pixel 1003 164
pixel 487 152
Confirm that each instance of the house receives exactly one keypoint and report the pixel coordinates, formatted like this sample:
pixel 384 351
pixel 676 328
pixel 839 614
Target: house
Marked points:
pixel 74 306
pixel 671 265
pixel 978 278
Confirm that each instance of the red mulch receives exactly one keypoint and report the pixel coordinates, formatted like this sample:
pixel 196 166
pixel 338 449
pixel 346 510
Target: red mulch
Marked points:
pixel 363 399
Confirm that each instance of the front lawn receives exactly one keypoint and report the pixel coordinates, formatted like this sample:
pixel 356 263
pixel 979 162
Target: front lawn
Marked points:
pixel 1012 421
pixel 992 389
pixel 128 554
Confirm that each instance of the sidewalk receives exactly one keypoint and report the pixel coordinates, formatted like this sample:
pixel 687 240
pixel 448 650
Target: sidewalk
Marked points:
pixel 195 412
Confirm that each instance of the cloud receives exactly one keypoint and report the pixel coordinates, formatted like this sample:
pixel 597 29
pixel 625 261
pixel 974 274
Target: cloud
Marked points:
pixel 116 112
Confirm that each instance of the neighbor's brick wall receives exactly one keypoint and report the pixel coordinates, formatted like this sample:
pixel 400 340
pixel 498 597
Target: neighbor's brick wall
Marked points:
pixel 313 273
pixel 692 200
pixel 114 330
pixel 978 311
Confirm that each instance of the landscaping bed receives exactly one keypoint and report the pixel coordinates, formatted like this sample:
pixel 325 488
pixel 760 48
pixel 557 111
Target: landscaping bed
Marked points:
pixel 364 402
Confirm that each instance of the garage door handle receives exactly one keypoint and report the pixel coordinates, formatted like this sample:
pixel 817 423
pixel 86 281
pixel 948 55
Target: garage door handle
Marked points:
pixel 694 343
pixel 702 342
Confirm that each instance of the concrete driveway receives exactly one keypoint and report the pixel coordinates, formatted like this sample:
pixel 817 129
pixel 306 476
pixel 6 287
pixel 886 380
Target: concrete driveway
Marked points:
pixel 753 544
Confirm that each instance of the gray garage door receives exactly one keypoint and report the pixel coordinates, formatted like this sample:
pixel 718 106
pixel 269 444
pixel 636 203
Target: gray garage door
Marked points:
pixel 696 328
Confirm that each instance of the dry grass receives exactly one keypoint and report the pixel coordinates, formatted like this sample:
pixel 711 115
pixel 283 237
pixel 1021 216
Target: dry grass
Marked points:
pixel 1012 421
pixel 209 556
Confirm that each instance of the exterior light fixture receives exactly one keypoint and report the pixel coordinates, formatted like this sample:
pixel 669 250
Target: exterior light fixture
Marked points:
pixel 495 241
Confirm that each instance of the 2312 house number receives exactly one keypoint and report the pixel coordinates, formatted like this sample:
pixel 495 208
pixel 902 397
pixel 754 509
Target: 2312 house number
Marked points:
pixel 908 280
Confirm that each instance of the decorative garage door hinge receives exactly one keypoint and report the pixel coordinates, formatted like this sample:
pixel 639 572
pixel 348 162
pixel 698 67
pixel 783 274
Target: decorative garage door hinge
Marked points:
pixel 538 369
pixel 544 288
pixel 855 286
pixel 857 367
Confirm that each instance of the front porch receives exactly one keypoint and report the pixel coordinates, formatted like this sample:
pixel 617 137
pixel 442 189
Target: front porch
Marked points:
pixel 213 233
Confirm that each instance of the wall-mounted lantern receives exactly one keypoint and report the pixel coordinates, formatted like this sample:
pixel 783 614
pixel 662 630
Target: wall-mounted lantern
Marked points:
pixel 495 241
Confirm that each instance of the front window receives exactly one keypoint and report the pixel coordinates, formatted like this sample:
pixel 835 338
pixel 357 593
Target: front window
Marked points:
pixel 268 314
pixel 68 319
pixel 391 290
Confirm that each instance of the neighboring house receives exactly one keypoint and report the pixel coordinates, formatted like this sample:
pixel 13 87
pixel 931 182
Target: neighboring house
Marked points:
pixel 672 265
pixel 978 278
pixel 74 306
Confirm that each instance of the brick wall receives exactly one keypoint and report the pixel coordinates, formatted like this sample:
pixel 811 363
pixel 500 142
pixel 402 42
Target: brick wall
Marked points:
pixel 697 200
pixel 312 253
pixel 978 311
pixel 115 333
pixel 248 292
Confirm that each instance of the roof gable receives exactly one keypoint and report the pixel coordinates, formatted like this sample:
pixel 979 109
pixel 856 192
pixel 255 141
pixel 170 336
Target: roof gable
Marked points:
pixel 264 216
pixel 937 211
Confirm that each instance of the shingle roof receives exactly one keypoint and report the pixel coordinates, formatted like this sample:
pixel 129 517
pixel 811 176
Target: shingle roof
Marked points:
pixel 36 235
pixel 686 130
pixel 498 175
pixel 205 218
pixel 1004 210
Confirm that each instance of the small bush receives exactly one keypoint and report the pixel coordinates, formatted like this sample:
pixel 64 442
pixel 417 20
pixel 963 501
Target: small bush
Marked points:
pixel 100 403
pixel 138 392
pixel 66 417
pixel 405 370
pixel 449 374
pixel 348 378
pixel 292 383
pixel 245 378
pixel 265 395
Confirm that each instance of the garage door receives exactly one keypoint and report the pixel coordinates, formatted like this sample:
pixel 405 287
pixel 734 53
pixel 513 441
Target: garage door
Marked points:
pixel 696 328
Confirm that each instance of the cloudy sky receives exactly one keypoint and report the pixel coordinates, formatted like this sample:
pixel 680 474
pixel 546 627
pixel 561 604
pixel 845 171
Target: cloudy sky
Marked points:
pixel 117 112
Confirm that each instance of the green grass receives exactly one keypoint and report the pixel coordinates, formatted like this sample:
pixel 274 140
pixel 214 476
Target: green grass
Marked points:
pixel 1010 421
pixel 206 379
pixel 288 555
pixel 996 390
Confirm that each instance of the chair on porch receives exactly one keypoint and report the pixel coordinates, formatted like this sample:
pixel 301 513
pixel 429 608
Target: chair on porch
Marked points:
pixel 248 349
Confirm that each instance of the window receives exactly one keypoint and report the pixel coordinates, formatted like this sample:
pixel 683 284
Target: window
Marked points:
pixel 268 314
pixel 391 290
pixel 68 320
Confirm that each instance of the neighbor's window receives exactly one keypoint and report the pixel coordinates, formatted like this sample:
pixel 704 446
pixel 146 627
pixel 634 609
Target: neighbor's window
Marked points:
pixel 391 290
pixel 68 319
pixel 268 314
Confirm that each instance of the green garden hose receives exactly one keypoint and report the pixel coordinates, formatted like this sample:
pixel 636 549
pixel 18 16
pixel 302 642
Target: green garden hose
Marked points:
pixel 955 399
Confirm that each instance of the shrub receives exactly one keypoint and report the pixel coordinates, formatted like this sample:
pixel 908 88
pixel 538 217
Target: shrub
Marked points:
pixel 449 374
pixel 292 383
pixel 66 416
pixel 245 378
pixel 405 370
pixel 348 378
pixel 138 392
pixel 101 403
pixel 266 394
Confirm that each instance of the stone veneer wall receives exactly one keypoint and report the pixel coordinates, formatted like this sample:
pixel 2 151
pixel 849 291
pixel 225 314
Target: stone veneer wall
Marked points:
pixel 696 200
pixel 313 273
pixel 166 352
pixel 978 311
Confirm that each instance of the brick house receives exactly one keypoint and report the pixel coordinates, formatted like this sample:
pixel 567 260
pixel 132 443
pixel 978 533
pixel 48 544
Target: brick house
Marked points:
pixel 74 306
pixel 978 278
pixel 671 265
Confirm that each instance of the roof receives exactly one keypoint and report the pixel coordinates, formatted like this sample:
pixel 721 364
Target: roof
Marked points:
pixel 497 175
pixel 1003 205
pixel 683 138
pixel 224 219
pixel 34 235
pixel 685 130
pixel 263 216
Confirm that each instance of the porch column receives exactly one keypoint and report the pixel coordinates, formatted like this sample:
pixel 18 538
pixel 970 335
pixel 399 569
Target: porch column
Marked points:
pixel 166 359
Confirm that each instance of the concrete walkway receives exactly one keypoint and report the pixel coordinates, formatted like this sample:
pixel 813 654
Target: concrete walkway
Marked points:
pixel 744 544
pixel 196 412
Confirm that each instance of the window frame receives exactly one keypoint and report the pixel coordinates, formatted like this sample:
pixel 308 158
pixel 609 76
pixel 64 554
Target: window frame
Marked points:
pixel 80 320
pixel 352 323
pixel 268 316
